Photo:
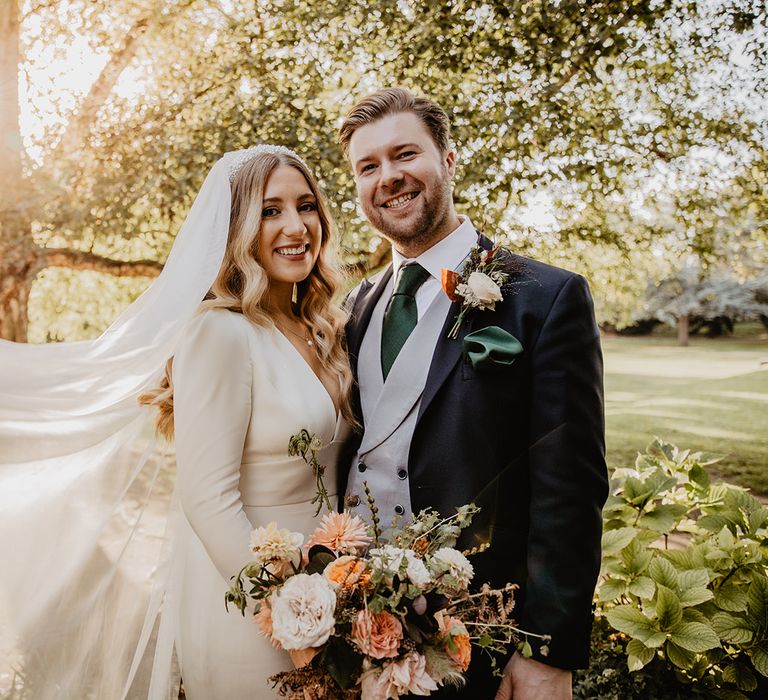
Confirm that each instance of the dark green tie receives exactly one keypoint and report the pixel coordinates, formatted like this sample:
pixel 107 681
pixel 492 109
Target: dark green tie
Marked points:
pixel 402 315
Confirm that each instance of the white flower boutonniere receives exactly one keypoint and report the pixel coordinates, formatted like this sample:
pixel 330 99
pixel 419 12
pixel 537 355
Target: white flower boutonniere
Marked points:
pixel 478 286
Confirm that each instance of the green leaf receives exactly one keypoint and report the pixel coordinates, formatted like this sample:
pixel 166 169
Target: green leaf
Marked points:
pixel 694 596
pixel 731 597
pixel 682 658
pixel 725 538
pixel 611 588
pixel 663 518
pixel 668 609
pixel 638 655
pixel 663 572
pixel 695 636
pixel 728 694
pixel 631 621
pixel 342 662
pixel 655 640
pixel 698 475
pixel 636 557
pixel 757 602
pixel 614 541
pixel 642 587
pixel 740 675
pixel 759 656
pixel 318 561
pixel 525 649
pixel 485 640
pixel 693 578
pixel 731 629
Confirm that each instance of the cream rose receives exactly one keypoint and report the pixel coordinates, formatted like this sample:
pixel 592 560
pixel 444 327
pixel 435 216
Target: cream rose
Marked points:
pixel 302 612
pixel 484 289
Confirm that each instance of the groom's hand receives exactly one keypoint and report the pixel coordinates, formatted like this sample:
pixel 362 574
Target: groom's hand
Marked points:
pixel 528 679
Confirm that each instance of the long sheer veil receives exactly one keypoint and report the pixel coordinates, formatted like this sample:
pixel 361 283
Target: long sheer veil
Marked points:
pixel 81 527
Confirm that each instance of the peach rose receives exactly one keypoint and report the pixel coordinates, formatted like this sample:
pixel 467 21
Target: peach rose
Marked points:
pixel 377 634
pixel 346 571
pixel 457 643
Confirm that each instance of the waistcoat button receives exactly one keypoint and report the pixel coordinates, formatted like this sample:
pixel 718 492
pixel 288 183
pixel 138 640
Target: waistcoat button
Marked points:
pixel 399 509
pixel 361 466
pixel 402 473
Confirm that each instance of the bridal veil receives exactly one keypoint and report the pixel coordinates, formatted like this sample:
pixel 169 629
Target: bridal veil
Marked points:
pixel 82 565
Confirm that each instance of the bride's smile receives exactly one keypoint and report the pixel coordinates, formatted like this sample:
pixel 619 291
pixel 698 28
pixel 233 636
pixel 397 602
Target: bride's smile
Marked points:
pixel 290 236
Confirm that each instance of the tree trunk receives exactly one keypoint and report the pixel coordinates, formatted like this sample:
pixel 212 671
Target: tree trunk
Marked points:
pixel 19 263
pixel 17 251
pixel 682 331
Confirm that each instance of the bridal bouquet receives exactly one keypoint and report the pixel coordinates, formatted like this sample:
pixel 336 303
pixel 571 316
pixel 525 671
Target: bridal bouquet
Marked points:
pixel 372 614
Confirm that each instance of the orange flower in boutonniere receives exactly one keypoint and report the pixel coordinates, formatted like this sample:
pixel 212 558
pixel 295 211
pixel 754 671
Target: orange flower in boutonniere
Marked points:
pixel 478 286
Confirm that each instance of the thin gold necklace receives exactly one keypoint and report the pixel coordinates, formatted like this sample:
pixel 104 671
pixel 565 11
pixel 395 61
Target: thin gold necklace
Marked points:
pixel 306 338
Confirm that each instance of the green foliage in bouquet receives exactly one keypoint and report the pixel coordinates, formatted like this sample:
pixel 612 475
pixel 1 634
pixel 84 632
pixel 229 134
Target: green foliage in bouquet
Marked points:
pixel 685 572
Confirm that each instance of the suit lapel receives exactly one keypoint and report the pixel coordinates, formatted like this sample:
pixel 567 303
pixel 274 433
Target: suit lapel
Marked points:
pixel 447 351
pixel 362 309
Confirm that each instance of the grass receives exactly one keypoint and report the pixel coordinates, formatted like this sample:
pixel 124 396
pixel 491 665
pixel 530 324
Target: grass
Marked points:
pixel 711 396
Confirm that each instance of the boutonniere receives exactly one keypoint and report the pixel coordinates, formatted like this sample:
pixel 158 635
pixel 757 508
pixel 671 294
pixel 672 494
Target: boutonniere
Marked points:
pixel 479 285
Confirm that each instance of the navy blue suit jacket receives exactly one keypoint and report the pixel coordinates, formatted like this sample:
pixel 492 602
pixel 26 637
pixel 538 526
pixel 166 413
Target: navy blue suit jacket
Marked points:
pixel 526 443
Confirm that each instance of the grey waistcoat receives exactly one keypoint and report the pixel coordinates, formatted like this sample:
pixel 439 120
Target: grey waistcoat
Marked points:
pixel 390 410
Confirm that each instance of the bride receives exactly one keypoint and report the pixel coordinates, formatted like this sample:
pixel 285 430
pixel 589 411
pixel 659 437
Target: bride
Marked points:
pixel 254 362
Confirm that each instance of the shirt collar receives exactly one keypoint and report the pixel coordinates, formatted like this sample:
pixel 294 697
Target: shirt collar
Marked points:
pixel 448 253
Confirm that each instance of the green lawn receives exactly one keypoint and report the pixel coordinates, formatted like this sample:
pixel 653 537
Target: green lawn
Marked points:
pixel 711 396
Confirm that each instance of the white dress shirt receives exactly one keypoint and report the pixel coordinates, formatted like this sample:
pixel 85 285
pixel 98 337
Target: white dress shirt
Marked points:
pixel 448 253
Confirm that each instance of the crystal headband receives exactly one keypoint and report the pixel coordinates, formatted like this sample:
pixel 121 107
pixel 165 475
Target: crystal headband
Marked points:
pixel 239 158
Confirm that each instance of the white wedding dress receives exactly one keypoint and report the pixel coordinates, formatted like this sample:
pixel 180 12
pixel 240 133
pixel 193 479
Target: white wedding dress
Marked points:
pixel 240 393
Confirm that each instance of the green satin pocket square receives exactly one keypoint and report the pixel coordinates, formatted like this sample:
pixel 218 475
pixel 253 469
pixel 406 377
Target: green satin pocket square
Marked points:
pixel 491 348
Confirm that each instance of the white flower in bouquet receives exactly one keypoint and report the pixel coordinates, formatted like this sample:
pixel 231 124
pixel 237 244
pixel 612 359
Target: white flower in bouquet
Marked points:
pixel 483 290
pixel 408 675
pixel 416 570
pixel 276 548
pixel 454 563
pixel 387 558
pixel 302 612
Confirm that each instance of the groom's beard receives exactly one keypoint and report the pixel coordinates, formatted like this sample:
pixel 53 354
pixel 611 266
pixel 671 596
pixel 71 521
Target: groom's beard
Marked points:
pixel 422 229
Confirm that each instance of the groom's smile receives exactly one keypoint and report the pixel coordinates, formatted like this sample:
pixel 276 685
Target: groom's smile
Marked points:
pixel 403 181
pixel 400 201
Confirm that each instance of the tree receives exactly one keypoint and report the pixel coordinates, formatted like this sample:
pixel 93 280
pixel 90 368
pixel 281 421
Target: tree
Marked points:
pixel 710 298
pixel 21 257
pixel 582 101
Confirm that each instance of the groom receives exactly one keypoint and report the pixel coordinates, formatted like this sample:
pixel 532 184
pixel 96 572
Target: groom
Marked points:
pixel 507 414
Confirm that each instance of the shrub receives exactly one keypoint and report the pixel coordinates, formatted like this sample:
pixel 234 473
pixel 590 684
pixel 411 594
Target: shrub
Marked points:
pixel 701 609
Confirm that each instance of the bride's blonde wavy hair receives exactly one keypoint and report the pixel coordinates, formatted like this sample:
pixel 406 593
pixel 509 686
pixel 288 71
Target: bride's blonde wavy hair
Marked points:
pixel 242 283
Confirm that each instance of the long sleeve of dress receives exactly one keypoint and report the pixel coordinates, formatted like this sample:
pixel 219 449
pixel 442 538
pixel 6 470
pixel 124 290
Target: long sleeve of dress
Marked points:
pixel 212 377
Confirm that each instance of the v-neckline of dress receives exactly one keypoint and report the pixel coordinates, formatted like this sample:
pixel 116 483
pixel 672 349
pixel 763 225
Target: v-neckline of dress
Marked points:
pixel 311 371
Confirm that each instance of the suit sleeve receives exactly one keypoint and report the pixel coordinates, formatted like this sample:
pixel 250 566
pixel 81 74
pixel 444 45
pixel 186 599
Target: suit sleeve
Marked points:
pixel 568 477
pixel 212 378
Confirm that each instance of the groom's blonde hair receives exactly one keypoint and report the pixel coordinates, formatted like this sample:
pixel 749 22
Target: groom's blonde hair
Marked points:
pixel 396 101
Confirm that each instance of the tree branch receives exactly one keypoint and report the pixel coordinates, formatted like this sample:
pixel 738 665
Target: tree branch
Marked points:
pixel 584 56
pixel 81 260
pixel 102 87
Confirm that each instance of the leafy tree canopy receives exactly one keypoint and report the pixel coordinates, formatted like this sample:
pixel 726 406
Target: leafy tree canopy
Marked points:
pixel 620 114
